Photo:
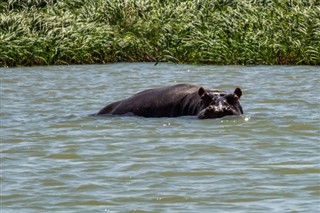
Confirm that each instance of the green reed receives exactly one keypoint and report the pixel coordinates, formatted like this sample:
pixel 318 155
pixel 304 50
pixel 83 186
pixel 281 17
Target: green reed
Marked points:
pixel 43 32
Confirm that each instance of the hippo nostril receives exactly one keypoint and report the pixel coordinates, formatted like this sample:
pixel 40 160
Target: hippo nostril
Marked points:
pixel 228 109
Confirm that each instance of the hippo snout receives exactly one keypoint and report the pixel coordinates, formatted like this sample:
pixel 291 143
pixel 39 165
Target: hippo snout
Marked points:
pixel 214 112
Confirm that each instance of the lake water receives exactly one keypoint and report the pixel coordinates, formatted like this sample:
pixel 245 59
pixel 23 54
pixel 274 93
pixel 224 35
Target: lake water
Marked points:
pixel 57 158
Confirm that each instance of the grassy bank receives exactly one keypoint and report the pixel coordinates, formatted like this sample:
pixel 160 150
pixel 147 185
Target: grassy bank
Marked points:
pixel 39 32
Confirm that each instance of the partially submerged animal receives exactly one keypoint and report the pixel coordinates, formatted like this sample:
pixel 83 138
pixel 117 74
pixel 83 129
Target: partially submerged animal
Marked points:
pixel 178 100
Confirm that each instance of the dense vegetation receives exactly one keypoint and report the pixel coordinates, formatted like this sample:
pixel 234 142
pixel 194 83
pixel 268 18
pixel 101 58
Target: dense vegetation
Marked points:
pixel 38 32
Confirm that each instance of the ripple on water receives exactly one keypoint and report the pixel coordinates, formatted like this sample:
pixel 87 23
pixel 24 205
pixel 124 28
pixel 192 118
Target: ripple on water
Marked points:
pixel 57 158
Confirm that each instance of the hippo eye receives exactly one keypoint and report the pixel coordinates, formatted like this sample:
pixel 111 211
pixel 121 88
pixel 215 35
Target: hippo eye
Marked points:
pixel 231 100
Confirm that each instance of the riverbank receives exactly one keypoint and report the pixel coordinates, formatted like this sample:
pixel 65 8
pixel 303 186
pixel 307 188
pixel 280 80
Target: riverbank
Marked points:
pixel 215 32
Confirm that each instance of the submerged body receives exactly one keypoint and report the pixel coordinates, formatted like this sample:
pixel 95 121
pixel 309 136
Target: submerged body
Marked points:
pixel 178 100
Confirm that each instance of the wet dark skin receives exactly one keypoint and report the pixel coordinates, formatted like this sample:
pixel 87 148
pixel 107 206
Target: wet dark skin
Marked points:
pixel 178 100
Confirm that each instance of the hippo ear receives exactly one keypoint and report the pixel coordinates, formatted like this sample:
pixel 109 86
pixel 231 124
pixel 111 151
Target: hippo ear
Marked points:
pixel 204 95
pixel 201 91
pixel 238 92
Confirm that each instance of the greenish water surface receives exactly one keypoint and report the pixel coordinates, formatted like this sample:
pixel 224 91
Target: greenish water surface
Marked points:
pixel 57 158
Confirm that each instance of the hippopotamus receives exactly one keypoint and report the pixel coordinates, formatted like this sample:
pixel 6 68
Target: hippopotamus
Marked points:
pixel 178 100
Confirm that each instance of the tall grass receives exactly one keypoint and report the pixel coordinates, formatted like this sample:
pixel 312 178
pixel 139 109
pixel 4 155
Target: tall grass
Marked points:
pixel 40 32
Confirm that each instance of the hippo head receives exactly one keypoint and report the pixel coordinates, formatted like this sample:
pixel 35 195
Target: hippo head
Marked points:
pixel 219 104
